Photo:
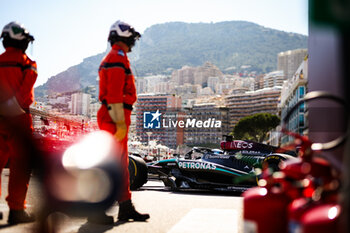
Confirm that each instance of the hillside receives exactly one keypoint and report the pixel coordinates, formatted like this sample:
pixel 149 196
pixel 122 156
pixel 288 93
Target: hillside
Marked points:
pixel 165 47
pixel 226 44
pixel 74 78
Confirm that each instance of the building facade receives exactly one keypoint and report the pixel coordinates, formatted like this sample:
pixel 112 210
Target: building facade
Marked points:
pixel 80 103
pixel 141 85
pixel 210 134
pixel 252 102
pixel 196 75
pixel 292 91
pixel 93 109
pixel 259 82
pixel 166 105
pixel 272 79
pixel 289 61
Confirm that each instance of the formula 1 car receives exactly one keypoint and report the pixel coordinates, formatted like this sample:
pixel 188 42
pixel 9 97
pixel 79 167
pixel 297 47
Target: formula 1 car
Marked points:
pixel 226 170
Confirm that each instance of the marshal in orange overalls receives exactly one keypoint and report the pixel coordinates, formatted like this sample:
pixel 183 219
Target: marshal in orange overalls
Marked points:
pixel 117 85
pixel 17 77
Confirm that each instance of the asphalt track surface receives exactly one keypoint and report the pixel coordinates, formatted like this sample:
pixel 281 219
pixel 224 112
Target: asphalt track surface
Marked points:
pixel 171 212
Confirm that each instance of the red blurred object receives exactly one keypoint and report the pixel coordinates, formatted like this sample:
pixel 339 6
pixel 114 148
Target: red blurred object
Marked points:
pixel 290 200
pixel 265 210
pixel 317 167
pixel 323 218
pixel 296 209
pixel 305 213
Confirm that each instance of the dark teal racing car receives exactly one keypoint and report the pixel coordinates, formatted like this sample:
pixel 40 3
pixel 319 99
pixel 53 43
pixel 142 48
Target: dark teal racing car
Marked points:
pixel 232 169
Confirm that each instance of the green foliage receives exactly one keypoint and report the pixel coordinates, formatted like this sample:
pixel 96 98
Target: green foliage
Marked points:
pixel 255 127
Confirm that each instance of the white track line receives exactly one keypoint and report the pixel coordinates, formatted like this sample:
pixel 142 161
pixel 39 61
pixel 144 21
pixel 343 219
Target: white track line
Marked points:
pixel 208 221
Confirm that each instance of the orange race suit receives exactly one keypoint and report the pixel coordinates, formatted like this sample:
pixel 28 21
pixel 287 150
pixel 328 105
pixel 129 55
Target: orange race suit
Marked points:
pixel 117 85
pixel 18 74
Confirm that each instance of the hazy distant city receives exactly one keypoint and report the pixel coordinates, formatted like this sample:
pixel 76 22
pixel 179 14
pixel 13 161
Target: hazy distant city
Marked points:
pixel 201 91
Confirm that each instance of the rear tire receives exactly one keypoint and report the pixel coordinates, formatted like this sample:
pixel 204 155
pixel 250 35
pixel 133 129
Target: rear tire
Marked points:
pixel 137 172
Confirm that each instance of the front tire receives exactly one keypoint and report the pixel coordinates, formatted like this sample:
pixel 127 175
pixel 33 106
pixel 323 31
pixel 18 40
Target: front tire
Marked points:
pixel 137 172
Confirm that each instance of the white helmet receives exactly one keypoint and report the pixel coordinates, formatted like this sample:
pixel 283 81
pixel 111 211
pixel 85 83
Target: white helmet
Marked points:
pixel 15 35
pixel 16 31
pixel 121 31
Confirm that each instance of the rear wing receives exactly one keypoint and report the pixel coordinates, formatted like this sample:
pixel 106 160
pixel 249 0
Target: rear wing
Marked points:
pixel 238 145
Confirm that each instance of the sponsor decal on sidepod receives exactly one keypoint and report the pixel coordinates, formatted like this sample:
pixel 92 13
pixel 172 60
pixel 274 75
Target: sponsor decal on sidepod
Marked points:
pixel 197 165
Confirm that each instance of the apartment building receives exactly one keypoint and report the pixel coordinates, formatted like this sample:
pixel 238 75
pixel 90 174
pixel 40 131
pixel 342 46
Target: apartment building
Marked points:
pixel 166 105
pixel 196 75
pixel 275 78
pixel 292 91
pixel 290 60
pixel 252 102
pixel 217 119
pixel 80 103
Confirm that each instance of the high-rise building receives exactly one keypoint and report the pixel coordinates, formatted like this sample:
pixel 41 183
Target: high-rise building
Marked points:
pixel 163 87
pixel 210 113
pixel 289 61
pixel 225 88
pixel 183 75
pixel 196 75
pixel 188 91
pixel 93 109
pixel 202 73
pixel 252 102
pixel 80 103
pixel 275 78
pixel 293 90
pixel 212 82
pixel 259 82
pixel 141 85
pixel 164 104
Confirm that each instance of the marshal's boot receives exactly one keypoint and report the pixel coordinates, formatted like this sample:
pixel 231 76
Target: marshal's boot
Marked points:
pixel 127 212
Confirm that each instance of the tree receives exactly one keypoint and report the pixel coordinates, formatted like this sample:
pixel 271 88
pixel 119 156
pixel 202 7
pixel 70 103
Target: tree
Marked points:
pixel 255 127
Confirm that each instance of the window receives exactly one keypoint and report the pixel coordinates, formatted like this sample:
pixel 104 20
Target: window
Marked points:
pixel 301 120
pixel 302 108
pixel 301 92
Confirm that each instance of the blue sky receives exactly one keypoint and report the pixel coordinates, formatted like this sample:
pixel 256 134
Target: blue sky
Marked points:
pixel 67 31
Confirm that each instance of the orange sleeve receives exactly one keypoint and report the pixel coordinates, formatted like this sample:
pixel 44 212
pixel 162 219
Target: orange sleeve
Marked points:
pixel 25 93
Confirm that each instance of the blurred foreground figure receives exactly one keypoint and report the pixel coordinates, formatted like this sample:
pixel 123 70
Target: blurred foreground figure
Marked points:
pixel 81 180
pixel 17 77
pixel 118 94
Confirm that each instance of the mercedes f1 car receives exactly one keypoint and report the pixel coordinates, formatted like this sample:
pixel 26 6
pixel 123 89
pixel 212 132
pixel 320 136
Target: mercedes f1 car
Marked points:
pixel 221 170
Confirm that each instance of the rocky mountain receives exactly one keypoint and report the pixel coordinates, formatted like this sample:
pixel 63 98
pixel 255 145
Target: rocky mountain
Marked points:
pixel 74 78
pixel 233 46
